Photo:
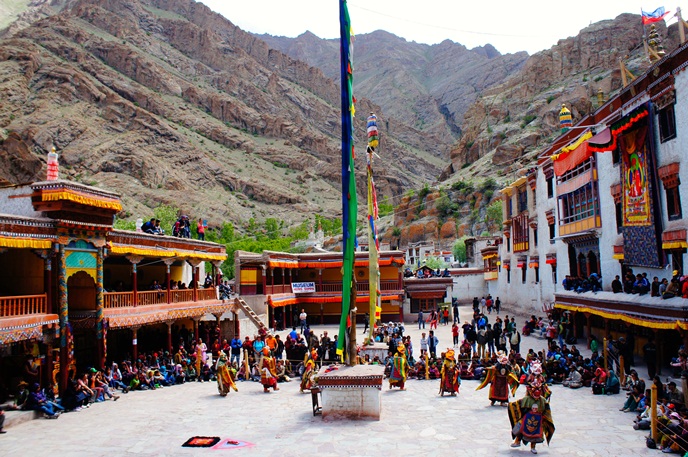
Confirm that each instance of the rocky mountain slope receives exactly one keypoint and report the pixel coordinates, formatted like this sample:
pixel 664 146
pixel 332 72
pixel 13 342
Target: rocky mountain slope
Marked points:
pixel 429 86
pixel 509 124
pixel 168 102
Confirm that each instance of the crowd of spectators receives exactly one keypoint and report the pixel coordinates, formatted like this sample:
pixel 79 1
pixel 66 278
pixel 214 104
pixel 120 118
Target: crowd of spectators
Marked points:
pixel 638 284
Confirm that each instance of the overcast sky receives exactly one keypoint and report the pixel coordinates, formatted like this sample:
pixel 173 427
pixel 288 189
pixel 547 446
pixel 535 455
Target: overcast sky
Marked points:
pixel 510 26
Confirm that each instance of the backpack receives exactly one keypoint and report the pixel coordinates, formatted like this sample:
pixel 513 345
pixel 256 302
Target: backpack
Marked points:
pixel 515 338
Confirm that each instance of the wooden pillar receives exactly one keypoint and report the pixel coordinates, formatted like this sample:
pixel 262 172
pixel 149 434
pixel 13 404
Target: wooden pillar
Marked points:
pixel 284 317
pixel 170 348
pixel 218 316
pixel 48 281
pixel 134 259
pixel 660 351
pixel 218 272
pixel 168 278
pixel 195 321
pixel 101 348
pixel 64 318
pixel 134 344
pixel 237 327
pixel 575 324
pixel 195 281
pixel 322 305
pixel 264 279
pixel 588 328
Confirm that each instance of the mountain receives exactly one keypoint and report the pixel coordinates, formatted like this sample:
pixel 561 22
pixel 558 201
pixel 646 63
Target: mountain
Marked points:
pixel 509 124
pixel 429 86
pixel 167 102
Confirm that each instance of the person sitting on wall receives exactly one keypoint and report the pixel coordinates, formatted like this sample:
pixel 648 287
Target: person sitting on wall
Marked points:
pixel 673 289
pixel 149 227
pixel 617 287
pixel 641 286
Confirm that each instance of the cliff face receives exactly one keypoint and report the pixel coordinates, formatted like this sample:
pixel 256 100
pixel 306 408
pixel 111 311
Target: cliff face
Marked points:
pixel 168 102
pixel 510 122
pixel 429 86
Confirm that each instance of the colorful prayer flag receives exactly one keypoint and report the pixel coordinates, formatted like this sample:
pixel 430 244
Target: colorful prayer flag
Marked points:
pixel 349 198
pixel 655 16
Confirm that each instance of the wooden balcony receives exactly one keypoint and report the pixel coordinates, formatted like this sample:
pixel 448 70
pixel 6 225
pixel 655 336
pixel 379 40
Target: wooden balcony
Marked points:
pixel 23 305
pixel 155 297
pixel 152 297
pixel 118 299
pixel 179 296
pixel 207 294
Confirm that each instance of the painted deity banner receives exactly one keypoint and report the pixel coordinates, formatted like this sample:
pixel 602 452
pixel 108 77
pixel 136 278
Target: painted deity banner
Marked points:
pixel 637 207
pixel 633 140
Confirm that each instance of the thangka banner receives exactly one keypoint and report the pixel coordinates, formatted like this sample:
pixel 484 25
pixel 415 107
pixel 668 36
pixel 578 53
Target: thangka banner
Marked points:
pixel 637 207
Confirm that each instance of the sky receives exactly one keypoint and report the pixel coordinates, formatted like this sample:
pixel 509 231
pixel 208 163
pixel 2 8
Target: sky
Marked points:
pixel 510 26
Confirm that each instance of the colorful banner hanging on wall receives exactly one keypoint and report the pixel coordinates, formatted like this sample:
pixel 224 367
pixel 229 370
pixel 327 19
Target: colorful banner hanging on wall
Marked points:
pixel 635 178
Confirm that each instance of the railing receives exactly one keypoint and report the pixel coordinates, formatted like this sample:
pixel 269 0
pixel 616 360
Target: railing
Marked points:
pixel 278 289
pixel 151 297
pixel 183 295
pixel 207 294
pixel 23 305
pixel 118 299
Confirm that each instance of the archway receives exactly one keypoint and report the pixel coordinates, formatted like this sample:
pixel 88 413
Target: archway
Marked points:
pixel 81 300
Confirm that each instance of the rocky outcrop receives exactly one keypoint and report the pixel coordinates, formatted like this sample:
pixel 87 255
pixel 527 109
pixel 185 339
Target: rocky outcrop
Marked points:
pixel 168 102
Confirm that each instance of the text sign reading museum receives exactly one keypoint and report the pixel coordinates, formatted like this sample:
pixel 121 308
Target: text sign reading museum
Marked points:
pixel 302 287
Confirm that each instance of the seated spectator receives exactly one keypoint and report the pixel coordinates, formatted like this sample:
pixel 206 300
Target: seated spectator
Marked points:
pixel 37 401
pixel 674 395
pixel 599 382
pixel 149 227
pixel 617 287
pixel 641 286
pixel 575 379
pixel 613 385
pixel 672 290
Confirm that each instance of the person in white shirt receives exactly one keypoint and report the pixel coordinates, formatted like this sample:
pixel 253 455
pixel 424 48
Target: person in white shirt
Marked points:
pixel 302 317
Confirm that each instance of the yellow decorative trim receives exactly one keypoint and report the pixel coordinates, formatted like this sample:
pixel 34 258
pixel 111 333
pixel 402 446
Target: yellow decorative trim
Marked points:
pixel 490 256
pixel 585 137
pixel 202 255
pixel 51 196
pixel 141 251
pixel 152 252
pixel 674 244
pixel 92 272
pixel 9 242
pixel 631 320
pixel 618 256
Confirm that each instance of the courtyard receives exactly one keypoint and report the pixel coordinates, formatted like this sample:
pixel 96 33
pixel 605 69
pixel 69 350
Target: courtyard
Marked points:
pixel 414 422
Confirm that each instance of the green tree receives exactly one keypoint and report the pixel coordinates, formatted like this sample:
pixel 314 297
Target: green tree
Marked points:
pixel 272 229
pixel 168 215
pixel 385 207
pixel 493 216
pixel 123 224
pixel 435 263
pixel 459 249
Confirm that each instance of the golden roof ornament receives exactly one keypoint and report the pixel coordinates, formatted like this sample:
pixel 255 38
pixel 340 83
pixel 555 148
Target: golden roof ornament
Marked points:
pixel 565 119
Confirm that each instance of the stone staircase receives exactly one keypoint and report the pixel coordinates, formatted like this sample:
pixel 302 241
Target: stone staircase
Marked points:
pixel 249 312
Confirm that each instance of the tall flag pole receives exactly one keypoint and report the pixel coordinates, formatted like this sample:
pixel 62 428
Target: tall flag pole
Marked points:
pixel 373 241
pixel 349 201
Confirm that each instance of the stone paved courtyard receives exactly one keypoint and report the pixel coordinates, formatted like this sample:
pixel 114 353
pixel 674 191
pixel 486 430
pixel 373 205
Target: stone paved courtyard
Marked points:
pixel 415 422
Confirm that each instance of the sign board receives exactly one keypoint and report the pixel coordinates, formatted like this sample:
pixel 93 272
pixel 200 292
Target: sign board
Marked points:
pixel 302 287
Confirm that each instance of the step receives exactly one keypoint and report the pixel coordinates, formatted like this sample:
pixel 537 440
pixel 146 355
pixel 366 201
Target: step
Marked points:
pixel 13 418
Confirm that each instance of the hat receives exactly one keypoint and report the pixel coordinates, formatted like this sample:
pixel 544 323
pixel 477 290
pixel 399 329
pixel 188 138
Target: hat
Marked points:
pixel 23 384
pixel 449 355
pixel 93 370
pixel 674 273
pixel 266 351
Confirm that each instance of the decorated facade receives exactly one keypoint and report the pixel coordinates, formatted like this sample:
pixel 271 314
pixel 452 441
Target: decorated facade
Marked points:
pixel 282 284
pixel 77 293
pixel 606 201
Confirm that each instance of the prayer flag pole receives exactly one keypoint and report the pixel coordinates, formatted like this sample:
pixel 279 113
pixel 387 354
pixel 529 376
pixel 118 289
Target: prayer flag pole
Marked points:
pixel 349 198
pixel 373 241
